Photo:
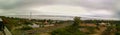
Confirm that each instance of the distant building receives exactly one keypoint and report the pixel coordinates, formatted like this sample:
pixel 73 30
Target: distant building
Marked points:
pixel 46 22
pixel 103 24
pixel 34 26
pixel 1 19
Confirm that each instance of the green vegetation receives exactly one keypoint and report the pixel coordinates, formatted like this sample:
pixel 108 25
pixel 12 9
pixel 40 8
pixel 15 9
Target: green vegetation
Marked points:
pixel 117 33
pixel 67 32
pixel 118 29
pixel 20 26
pixel 26 28
pixel 16 25
pixel 70 30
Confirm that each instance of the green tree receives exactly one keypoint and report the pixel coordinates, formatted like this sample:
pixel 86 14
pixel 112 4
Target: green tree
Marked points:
pixel 117 33
pixel 77 21
pixel 27 23
pixel 70 30
pixel 26 28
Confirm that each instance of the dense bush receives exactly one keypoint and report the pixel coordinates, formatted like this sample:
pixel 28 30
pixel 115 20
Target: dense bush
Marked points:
pixel 67 31
pixel 70 30
pixel 118 27
pixel 26 28
pixel 117 33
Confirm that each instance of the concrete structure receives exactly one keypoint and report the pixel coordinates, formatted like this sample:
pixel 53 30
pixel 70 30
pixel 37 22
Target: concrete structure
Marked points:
pixel 34 26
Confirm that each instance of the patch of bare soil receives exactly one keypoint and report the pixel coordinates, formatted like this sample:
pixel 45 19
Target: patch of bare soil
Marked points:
pixel 100 31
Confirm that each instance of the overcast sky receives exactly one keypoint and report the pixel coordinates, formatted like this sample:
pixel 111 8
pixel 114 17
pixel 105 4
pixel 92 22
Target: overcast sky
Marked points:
pixel 88 8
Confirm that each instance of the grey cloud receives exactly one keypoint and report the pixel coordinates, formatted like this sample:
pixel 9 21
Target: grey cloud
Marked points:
pixel 94 4
pixel 8 4
pixel 17 6
pixel 117 8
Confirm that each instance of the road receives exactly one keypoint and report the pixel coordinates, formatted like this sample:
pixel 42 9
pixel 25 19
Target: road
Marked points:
pixel 7 32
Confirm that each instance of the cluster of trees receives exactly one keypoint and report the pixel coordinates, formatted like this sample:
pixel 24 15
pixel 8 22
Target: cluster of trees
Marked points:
pixel 70 30
pixel 99 21
pixel 114 29
pixel 12 22
pixel 118 29
pixel 73 29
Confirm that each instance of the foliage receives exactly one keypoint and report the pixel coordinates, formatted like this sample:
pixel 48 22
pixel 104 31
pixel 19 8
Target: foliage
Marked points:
pixel 117 33
pixel 118 27
pixel 27 23
pixel 76 21
pixel 70 30
pixel 26 28
pixel 67 31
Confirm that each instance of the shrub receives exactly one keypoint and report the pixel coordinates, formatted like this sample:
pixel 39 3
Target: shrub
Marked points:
pixel 117 33
pixel 26 28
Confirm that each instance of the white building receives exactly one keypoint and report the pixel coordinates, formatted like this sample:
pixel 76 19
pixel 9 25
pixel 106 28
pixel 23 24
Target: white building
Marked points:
pixel 34 26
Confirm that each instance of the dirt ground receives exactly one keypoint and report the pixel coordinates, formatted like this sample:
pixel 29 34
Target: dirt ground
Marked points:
pixel 99 32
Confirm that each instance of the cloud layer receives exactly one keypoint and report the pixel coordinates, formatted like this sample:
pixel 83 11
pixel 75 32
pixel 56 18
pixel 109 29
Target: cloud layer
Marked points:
pixel 89 8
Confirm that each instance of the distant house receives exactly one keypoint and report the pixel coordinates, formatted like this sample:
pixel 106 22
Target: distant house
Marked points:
pixel 34 26
pixel 46 22
pixel 103 24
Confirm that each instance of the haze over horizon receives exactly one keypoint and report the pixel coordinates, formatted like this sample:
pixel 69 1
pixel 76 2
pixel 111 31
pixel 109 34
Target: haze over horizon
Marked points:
pixel 89 8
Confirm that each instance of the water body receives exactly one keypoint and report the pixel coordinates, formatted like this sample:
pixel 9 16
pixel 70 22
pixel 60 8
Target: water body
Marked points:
pixel 43 17
pixel 57 17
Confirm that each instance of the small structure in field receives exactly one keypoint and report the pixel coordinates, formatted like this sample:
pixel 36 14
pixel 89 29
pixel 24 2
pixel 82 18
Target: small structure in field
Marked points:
pixel 103 24
pixel 34 26
pixel 46 22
